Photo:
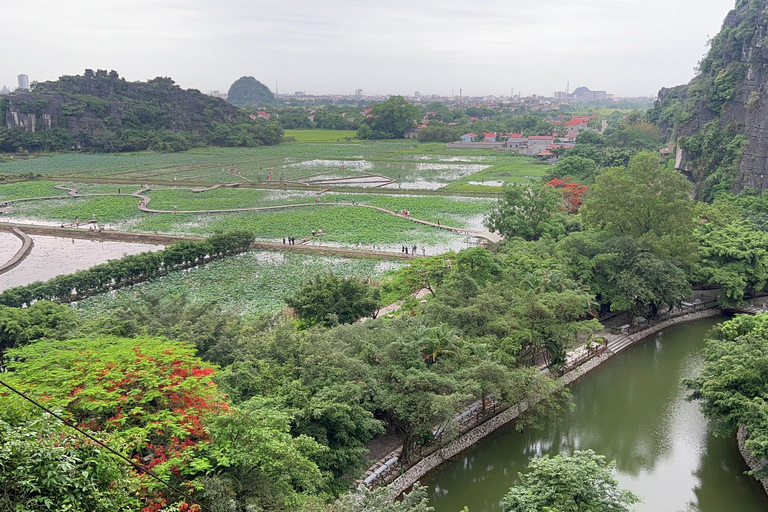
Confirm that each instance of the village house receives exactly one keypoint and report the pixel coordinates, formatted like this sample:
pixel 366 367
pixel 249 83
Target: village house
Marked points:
pixel 538 143
pixel 489 137
pixel 518 144
pixel 468 137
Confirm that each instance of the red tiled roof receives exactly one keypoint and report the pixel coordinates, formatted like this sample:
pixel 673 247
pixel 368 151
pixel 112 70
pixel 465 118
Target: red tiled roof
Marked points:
pixel 471 134
pixel 489 135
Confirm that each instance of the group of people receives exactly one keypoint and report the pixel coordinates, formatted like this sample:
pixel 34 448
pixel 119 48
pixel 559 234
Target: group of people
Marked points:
pixel 404 249
pixel 291 240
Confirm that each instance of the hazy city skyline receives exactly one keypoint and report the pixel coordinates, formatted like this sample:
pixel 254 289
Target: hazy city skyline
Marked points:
pixel 625 47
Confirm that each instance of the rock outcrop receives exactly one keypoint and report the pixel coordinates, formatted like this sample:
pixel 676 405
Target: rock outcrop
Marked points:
pixel 720 119
pixel 103 112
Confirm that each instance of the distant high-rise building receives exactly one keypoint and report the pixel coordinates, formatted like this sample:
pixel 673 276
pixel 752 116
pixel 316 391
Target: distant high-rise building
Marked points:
pixel 23 82
pixel 358 92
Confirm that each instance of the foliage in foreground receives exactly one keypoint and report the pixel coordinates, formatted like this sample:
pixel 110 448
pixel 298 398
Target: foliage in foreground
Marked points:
pixel 734 381
pixel 582 482
pixel 47 466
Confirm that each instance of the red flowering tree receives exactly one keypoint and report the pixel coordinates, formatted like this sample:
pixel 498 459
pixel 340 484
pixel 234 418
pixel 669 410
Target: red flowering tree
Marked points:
pixel 572 193
pixel 147 395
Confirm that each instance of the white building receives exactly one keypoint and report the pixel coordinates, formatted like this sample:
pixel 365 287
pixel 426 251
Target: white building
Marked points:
pixel 23 82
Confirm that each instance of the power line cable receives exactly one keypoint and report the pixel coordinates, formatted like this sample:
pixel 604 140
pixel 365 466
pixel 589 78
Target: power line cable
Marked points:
pixel 89 436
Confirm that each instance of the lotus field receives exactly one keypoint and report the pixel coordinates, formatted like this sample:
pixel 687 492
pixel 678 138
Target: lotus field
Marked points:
pixel 337 187
pixel 252 282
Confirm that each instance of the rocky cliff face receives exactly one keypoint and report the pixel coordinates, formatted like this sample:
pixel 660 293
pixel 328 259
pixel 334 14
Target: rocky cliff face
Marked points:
pixel 720 119
pixel 96 101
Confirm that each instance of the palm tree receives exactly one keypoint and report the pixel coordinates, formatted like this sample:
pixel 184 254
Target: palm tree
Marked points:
pixel 440 340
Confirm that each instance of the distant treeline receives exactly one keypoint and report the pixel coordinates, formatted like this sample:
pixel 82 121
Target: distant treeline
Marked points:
pixel 128 270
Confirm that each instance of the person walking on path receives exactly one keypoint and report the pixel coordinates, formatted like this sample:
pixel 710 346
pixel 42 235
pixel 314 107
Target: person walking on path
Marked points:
pixel 175 208
pixel 423 251
pixel 283 240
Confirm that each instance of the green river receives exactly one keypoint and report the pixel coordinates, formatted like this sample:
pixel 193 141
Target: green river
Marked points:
pixel 632 410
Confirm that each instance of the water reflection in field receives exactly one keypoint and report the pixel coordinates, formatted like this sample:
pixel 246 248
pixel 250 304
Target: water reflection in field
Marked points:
pixel 53 256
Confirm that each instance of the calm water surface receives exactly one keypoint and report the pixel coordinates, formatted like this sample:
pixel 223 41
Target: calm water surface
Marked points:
pixel 52 256
pixel 632 410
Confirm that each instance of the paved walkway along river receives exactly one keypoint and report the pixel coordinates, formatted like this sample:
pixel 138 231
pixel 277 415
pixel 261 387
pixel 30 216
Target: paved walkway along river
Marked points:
pixel 632 410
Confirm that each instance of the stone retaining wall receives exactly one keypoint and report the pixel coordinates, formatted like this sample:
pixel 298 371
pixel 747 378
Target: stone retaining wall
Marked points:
pixel 21 254
pixel 752 462
pixel 421 468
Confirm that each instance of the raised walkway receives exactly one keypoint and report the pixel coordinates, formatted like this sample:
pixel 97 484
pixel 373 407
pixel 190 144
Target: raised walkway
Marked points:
pixel 145 199
pixel 21 254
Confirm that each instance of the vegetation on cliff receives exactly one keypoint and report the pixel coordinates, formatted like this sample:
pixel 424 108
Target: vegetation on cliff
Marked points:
pixel 714 117
pixel 99 111
pixel 247 91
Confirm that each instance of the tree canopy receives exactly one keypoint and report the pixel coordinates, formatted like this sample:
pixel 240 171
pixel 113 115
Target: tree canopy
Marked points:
pixel 389 119
pixel 527 212
pixel 647 202
pixel 582 482
pixel 331 300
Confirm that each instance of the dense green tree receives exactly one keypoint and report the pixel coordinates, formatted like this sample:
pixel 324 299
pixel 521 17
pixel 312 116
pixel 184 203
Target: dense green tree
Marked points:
pixel 622 275
pixel 582 482
pixel 256 464
pixel 47 466
pixel 415 397
pixel 527 212
pixel 437 132
pixel 390 119
pixel 646 202
pixel 43 319
pixel 579 169
pixel 732 256
pixel 330 300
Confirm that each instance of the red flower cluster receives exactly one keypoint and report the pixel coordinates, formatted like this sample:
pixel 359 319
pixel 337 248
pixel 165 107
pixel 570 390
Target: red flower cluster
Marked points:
pixel 571 191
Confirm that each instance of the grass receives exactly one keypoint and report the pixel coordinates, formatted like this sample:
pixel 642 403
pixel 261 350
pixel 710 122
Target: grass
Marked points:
pixel 253 282
pixel 320 135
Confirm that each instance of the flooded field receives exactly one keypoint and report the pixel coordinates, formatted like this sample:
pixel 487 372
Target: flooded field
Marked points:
pixel 53 256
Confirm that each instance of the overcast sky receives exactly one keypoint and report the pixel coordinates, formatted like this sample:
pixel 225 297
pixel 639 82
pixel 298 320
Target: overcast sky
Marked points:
pixel 626 47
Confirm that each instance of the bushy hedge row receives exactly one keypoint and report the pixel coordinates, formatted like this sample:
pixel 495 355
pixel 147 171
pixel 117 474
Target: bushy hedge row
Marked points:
pixel 127 270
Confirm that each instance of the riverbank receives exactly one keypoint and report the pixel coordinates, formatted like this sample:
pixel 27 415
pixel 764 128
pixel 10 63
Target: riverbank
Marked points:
pixel 751 461
pixel 616 344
